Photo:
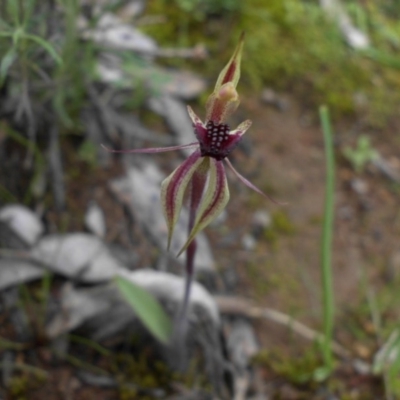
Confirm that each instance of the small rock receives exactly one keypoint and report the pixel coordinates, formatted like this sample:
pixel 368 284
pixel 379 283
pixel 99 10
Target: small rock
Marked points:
pixel 270 97
pixel 15 272
pixel 23 222
pixel 79 256
pixel 345 212
pixel 112 32
pixel 95 220
pixel 386 169
pixel 260 221
pixel 360 101
pixel 361 367
pixel 176 116
pixel 183 84
pixel 97 380
pixel 249 242
pixel 359 186
pixel 242 344
pixel 133 9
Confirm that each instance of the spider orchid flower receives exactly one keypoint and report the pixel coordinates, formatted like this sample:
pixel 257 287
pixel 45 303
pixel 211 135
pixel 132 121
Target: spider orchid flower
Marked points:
pixel 202 174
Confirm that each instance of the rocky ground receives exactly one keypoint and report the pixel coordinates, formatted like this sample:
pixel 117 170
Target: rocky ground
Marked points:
pixel 73 216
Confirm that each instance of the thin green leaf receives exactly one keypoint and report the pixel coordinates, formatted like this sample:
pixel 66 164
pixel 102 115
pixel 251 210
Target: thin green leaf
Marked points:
pixel 16 35
pixel 6 63
pixel 326 241
pixel 13 10
pixel 46 46
pixel 147 308
pixel 28 10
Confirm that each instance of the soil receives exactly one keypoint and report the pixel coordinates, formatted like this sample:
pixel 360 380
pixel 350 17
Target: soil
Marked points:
pixel 283 154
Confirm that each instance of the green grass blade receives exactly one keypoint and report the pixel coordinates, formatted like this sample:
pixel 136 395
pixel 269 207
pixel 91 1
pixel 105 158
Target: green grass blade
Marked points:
pixel 326 243
pixel 147 309
pixel 46 46
pixel 13 11
pixel 6 63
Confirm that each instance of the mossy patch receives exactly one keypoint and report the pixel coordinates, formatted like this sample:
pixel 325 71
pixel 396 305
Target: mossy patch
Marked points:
pixel 139 375
pixel 20 386
pixel 297 369
pixel 281 225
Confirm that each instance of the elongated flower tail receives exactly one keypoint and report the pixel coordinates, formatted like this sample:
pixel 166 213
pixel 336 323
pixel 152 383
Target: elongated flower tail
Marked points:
pixel 224 100
pixel 231 72
pixel 150 150
pixel 214 200
pixel 173 189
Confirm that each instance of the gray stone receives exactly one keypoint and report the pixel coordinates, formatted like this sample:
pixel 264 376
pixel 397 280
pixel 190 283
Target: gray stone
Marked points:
pixel 78 256
pixel 95 220
pixel 14 272
pixel 23 222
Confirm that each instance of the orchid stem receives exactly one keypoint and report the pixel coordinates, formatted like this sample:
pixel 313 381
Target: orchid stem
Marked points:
pixel 190 254
pixel 182 320
pixel 195 196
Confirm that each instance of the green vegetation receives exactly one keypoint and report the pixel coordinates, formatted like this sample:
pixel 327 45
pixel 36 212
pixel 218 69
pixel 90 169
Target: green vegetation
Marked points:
pixel 39 63
pixel 297 369
pixel 361 154
pixel 281 225
pixel 292 45
pixel 147 309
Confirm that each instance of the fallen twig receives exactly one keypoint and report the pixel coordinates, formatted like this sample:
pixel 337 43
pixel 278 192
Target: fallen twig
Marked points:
pixel 237 305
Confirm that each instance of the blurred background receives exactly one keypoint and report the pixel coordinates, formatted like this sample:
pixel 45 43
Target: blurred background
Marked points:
pixel 79 74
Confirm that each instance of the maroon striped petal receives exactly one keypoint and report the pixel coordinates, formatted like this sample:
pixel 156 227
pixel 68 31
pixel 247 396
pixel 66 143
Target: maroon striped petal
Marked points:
pixel 213 201
pixel 174 186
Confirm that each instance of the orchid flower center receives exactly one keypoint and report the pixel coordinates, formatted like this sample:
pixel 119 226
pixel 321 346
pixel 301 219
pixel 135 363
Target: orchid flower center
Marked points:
pixel 216 140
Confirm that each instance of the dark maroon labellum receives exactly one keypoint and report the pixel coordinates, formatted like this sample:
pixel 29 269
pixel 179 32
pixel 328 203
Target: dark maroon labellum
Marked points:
pixel 217 142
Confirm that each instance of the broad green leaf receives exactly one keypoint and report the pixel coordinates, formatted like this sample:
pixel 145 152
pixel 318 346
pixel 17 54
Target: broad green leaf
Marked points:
pixel 147 308
pixel 46 46
pixel 6 63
